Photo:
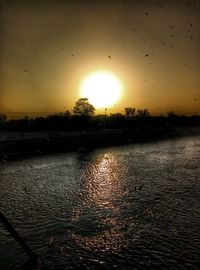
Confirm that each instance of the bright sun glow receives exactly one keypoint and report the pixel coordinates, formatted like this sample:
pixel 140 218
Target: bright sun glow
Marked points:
pixel 103 89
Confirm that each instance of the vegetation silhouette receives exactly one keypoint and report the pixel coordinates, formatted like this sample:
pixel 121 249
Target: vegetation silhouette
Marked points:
pixel 83 108
pixel 83 130
pixel 130 112
pixel 83 117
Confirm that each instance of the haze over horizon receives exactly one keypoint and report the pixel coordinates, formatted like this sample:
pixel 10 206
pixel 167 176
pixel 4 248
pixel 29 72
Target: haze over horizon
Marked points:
pixel 49 47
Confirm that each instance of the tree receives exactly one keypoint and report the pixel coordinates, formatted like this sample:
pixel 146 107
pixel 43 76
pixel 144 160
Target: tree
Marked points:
pixel 67 113
pixel 146 113
pixel 83 107
pixel 130 112
pixel 171 115
pixel 143 113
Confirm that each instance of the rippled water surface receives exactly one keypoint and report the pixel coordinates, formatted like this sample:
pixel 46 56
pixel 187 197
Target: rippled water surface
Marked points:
pixel 132 207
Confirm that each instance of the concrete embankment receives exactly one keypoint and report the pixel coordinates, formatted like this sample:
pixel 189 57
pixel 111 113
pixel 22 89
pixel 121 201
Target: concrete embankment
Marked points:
pixel 15 144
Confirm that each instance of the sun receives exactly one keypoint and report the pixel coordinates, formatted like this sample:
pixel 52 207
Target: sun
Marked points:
pixel 102 88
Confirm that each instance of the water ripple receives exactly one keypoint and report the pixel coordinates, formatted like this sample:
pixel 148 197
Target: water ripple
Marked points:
pixel 134 207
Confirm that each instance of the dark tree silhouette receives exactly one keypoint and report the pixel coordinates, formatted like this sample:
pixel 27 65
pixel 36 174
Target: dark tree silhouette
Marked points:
pixel 83 107
pixel 143 113
pixel 130 112
pixel 67 113
pixel 172 115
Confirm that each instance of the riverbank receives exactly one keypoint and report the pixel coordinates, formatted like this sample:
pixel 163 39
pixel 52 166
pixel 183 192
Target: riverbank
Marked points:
pixel 19 144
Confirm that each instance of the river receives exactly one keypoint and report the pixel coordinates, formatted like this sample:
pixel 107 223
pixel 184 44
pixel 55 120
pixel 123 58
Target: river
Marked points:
pixel 127 207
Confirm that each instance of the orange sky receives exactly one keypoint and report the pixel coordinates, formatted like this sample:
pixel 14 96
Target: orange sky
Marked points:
pixel 48 47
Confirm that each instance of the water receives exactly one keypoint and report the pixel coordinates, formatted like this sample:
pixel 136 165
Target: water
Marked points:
pixel 132 207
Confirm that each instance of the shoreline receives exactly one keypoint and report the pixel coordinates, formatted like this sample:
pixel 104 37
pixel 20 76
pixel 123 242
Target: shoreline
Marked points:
pixel 14 145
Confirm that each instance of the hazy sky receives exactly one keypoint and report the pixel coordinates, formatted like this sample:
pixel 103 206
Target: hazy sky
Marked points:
pixel 48 47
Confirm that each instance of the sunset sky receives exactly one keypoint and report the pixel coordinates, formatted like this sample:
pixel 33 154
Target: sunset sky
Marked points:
pixel 49 47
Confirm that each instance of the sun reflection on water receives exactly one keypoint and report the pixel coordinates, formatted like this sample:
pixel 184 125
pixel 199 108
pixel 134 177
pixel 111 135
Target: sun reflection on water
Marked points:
pixel 97 218
pixel 104 185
